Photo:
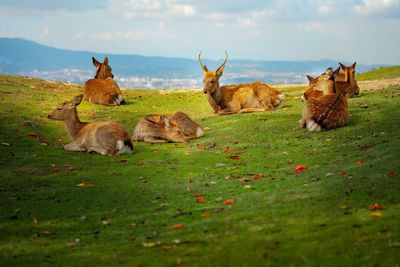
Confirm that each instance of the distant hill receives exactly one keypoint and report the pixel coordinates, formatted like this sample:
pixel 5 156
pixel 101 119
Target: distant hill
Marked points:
pixel 23 57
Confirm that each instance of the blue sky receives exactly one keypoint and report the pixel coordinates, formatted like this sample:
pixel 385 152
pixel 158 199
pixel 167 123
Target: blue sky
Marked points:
pixel 366 31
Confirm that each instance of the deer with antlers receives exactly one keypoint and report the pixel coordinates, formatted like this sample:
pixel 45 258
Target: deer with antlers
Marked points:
pixel 103 89
pixel 328 111
pixel 239 98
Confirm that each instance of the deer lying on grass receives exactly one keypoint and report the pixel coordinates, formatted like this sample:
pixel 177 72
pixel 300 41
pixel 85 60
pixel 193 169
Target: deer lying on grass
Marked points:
pixel 239 98
pixel 103 89
pixel 347 85
pixel 178 127
pixel 106 138
pixel 328 111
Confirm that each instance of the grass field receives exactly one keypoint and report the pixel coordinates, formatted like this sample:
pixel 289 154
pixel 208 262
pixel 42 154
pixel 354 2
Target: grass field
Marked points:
pixel 189 204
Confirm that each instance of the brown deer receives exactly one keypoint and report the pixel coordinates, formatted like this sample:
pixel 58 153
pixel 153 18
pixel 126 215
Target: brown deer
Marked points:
pixel 346 83
pixel 239 98
pixel 178 127
pixel 328 111
pixel 106 138
pixel 103 89
pixel 349 86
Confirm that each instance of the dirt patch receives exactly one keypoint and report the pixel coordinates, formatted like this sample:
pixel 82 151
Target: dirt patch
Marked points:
pixel 378 84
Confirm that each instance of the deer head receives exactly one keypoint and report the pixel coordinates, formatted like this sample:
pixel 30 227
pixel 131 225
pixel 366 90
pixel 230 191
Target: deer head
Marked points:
pixel 103 69
pixel 327 81
pixel 66 110
pixel 211 78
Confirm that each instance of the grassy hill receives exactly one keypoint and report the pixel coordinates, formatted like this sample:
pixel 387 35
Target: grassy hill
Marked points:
pixel 381 73
pixel 69 208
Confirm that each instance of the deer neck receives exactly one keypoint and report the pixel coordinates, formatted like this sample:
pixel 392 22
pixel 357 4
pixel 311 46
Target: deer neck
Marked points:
pixel 73 125
pixel 329 87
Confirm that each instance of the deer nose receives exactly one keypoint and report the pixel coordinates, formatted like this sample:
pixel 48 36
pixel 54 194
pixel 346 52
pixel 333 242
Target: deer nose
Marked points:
pixel 205 91
pixel 49 117
pixel 112 75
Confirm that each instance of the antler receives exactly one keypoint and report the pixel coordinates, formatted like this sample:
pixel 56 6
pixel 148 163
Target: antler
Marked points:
pixel 223 64
pixel 204 67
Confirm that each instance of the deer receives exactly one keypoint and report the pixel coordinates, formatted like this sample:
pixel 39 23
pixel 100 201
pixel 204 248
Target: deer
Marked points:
pixel 346 83
pixel 328 111
pixel 106 138
pixel 103 89
pixel 238 98
pixel 163 128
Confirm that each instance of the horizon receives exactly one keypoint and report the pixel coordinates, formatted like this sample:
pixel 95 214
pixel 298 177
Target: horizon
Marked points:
pixel 365 31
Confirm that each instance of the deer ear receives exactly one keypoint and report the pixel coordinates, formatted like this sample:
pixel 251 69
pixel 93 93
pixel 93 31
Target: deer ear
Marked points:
pixel 77 100
pixel 106 60
pixel 336 73
pixel 220 70
pixel 95 62
pixel 343 66
pixel 310 78
pixel 165 121
pixel 354 64
pixel 205 68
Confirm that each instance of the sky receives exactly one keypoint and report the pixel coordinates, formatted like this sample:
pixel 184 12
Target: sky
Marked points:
pixel 366 31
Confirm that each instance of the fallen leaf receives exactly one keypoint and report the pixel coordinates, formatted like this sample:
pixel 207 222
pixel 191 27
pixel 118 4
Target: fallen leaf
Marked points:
pixel 258 176
pixel 92 113
pixel 200 146
pixel 80 184
pixel 155 152
pixel 297 135
pixel 148 245
pixel 224 121
pixel 123 160
pixel 46 233
pixel 117 154
pixel 42 244
pixel 376 214
pixel 56 170
pixel 227 151
pixel 35 221
pixel 177 226
pixel 390 174
pixel 211 117
pixel 5 144
pixel 31 134
pixel 71 244
pixel 300 168
pixel 205 214
pixel 166 247
pixel 244 180
pixel 43 144
pixel 235 142
pixel 140 163
pixel 247 186
pixel 60 141
pixel 201 200
pixel 67 165
pixel 229 201
pixel 240 152
pixel 284 153
pixel 342 173
pixel 197 194
pixel 376 206
pixel 206 128
pixel 233 157
pixel 89 185
pixel 190 180
pixel 344 207
pixel 328 139
pixel 359 162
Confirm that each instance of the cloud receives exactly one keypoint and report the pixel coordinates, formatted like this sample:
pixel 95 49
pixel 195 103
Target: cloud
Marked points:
pixel 78 35
pixel 45 32
pixel 42 5
pixel 378 8
pixel 103 36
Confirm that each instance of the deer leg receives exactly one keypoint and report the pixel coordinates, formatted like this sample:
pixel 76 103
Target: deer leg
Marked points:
pixel 74 147
pixel 232 108
pixel 152 139
pixel 249 110
pixel 100 150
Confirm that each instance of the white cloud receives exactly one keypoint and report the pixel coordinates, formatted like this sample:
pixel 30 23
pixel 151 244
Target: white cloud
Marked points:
pixel 378 8
pixel 103 36
pixel 78 35
pixel 324 10
pixel 45 32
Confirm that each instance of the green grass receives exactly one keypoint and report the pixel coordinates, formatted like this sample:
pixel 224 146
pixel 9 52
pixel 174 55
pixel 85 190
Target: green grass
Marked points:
pixel 381 73
pixel 314 218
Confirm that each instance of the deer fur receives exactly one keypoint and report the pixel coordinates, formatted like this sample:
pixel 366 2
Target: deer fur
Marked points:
pixel 347 84
pixel 178 127
pixel 328 111
pixel 103 89
pixel 239 98
pixel 106 138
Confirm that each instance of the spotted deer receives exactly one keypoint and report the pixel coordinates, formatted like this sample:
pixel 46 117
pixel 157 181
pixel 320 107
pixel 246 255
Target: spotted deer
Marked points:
pixel 106 138
pixel 328 111
pixel 238 98
pixel 103 89
pixel 178 127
